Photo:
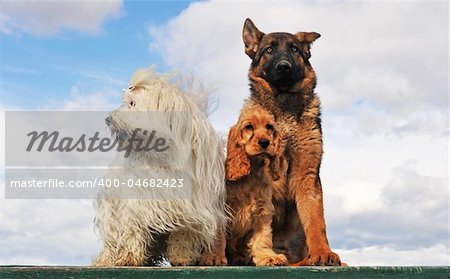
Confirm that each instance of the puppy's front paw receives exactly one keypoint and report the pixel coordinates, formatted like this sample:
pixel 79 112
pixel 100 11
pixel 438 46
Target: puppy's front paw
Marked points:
pixel 273 260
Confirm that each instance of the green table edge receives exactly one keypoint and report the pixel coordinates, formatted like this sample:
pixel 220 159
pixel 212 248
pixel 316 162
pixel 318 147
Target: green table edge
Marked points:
pixel 239 272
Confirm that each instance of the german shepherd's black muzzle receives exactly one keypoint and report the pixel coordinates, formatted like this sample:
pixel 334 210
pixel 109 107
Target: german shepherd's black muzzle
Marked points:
pixel 282 71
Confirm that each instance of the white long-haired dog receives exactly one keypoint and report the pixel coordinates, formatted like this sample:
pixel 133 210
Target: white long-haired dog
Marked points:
pixel 132 218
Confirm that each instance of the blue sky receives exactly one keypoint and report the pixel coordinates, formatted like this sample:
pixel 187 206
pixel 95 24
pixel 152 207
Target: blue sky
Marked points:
pixel 36 69
pixel 382 78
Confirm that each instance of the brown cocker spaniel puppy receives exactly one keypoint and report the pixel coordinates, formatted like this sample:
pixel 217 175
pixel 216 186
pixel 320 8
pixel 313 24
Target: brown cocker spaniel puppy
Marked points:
pixel 254 167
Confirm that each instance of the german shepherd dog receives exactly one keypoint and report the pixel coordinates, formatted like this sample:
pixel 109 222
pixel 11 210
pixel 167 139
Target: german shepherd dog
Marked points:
pixel 282 81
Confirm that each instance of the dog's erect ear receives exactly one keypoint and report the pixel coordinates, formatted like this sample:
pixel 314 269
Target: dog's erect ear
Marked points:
pixel 251 36
pixel 238 164
pixel 307 38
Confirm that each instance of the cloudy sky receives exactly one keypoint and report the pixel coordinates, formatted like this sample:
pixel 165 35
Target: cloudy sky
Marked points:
pixel 382 77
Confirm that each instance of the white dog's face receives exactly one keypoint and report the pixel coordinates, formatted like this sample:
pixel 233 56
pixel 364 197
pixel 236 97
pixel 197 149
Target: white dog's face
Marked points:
pixel 152 124
pixel 135 113
pixel 142 98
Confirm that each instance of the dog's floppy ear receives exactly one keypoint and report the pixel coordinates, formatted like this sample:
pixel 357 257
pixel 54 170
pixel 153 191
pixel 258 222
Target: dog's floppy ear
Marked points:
pixel 238 164
pixel 279 144
pixel 251 37
pixel 307 38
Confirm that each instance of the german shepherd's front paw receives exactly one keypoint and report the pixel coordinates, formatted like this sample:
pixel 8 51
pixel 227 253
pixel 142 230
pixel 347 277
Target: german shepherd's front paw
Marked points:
pixel 322 257
pixel 273 260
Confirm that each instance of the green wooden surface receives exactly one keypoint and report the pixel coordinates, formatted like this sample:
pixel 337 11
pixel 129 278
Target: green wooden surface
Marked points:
pixel 222 272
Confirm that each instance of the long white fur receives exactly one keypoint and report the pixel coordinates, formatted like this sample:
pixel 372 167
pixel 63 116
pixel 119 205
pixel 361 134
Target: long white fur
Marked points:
pixel 129 226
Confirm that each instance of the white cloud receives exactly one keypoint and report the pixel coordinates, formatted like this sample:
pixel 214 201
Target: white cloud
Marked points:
pixel 46 231
pixel 386 191
pixel 46 18
pixel 383 256
pixel 383 81
pixel 49 232
pixel 103 100
pixel 407 210
pixel 367 53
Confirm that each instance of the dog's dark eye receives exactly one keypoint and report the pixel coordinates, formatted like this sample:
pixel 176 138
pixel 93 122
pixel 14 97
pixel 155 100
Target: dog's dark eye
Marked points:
pixel 132 103
pixel 269 127
pixel 294 49
pixel 249 127
pixel 269 50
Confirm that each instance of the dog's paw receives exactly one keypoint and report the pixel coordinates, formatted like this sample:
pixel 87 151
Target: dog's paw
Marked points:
pixel 181 258
pixel 274 260
pixel 321 257
pixel 213 260
pixel 178 260
pixel 129 259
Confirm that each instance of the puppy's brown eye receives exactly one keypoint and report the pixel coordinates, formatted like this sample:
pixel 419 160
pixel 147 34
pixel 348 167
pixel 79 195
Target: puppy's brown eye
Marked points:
pixel 269 50
pixel 132 103
pixel 269 127
pixel 294 49
pixel 249 127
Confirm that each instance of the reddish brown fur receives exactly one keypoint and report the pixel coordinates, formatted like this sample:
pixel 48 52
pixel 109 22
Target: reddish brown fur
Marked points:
pixel 249 197
pixel 298 225
pixel 249 191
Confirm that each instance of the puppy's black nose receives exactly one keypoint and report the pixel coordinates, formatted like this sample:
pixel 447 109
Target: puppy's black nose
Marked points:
pixel 108 120
pixel 264 143
pixel 283 66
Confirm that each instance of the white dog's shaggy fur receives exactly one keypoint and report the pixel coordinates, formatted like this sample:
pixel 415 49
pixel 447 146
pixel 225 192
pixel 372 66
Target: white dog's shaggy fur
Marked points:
pixel 130 225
